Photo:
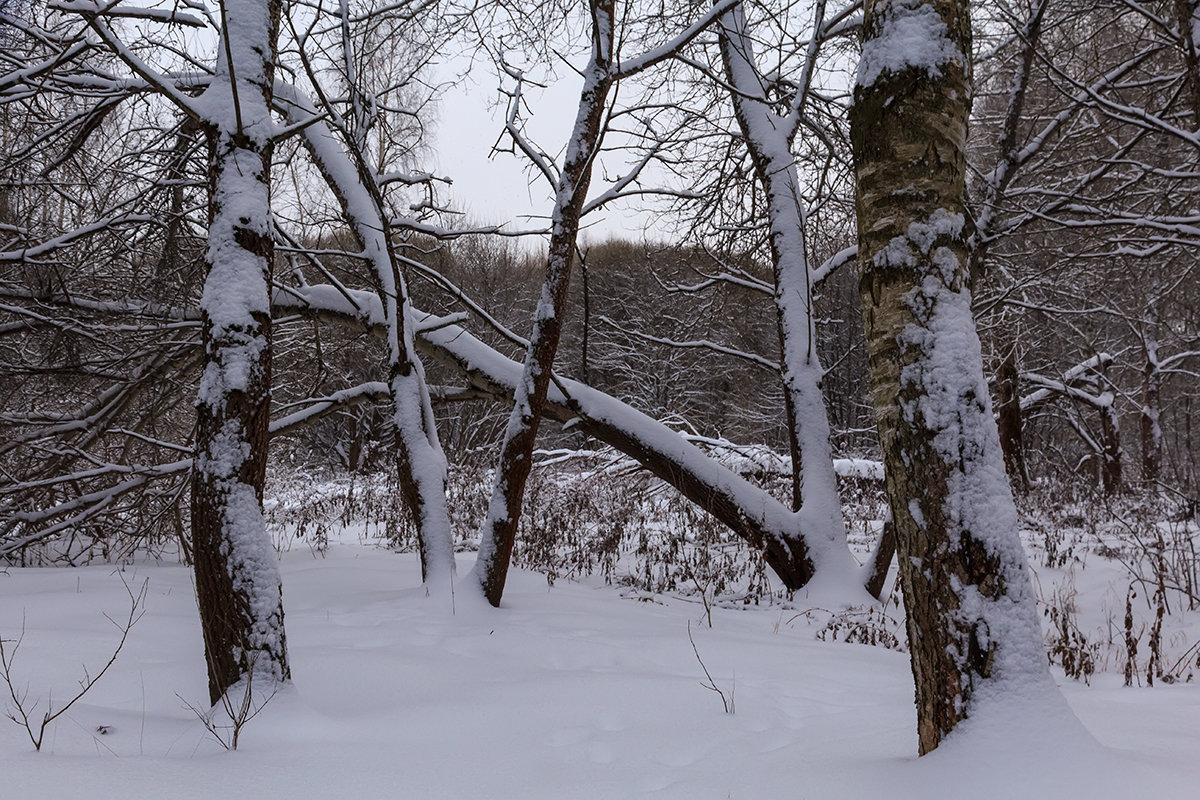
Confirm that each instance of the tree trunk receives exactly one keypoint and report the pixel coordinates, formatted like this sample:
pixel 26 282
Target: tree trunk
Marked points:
pixel 749 511
pixel 168 271
pixel 1110 444
pixel 971 613
pixel 1008 420
pixel 237 574
pixel 1187 17
pixel 420 461
pixel 516 453
pixel 881 560
pixel 768 138
pixel 1151 410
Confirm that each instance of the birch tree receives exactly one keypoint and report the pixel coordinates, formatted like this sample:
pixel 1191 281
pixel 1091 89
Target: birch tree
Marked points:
pixel 971 613
pixel 349 144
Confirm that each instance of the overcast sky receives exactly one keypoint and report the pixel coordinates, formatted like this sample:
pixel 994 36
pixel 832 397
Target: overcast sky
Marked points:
pixel 501 188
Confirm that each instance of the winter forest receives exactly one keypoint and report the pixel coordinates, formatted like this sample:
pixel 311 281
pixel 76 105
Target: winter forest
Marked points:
pixel 822 427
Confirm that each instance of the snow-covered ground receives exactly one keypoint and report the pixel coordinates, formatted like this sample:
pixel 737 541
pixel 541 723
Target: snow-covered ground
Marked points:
pixel 569 692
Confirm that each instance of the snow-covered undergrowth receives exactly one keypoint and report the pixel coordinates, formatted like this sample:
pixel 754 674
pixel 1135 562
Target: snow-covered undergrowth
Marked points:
pixel 594 515
pixel 589 686
pixel 586 513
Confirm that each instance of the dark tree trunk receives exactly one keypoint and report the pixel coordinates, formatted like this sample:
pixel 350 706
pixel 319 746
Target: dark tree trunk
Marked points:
pixel 587 320
pixel 516 453
pixel 1151 409
pixel 237 577
pixel 1008 421
pixel 882 560
pixel 169 271
pixel 1185 17
pixel 1110 454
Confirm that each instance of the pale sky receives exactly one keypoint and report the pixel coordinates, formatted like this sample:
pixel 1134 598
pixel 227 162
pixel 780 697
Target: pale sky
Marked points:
pixel 501 188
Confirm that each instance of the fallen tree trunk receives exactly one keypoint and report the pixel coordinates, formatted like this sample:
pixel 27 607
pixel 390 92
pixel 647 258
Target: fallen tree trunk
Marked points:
pixel 749 511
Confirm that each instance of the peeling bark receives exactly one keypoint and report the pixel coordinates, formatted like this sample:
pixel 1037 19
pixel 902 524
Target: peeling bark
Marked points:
pixel 971 613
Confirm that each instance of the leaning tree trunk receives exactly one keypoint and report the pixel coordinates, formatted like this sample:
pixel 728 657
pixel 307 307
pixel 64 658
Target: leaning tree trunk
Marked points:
pixel 750 512
pixel 237 575
pixel 768 138
pixel 420 461
pixel 516 453
pixel 971 613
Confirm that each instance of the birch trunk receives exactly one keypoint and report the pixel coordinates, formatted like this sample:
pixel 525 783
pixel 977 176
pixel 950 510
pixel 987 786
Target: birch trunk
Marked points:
pixel 516 453
pixel 237 574
pixel 971 614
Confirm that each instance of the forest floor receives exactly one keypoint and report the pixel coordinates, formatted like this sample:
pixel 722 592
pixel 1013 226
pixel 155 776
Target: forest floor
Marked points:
pixel 573 691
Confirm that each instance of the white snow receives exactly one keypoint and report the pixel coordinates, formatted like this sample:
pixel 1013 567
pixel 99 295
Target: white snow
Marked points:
pixel 942 374
pixel 570 692
pixel 862 468
pixel 255 575
pixel 912 35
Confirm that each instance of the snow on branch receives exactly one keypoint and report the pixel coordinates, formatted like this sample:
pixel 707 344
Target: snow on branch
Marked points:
pixel 114 9
pixel 33 252
pixel 62 516
pixel 631 66
pixel 1063 385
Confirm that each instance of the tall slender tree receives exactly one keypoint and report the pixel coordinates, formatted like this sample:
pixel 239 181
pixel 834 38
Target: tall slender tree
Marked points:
pixel 768 136
pixel 603 71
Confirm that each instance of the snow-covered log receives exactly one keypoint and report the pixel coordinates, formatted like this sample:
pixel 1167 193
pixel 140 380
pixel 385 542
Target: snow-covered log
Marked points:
pixel 749 511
